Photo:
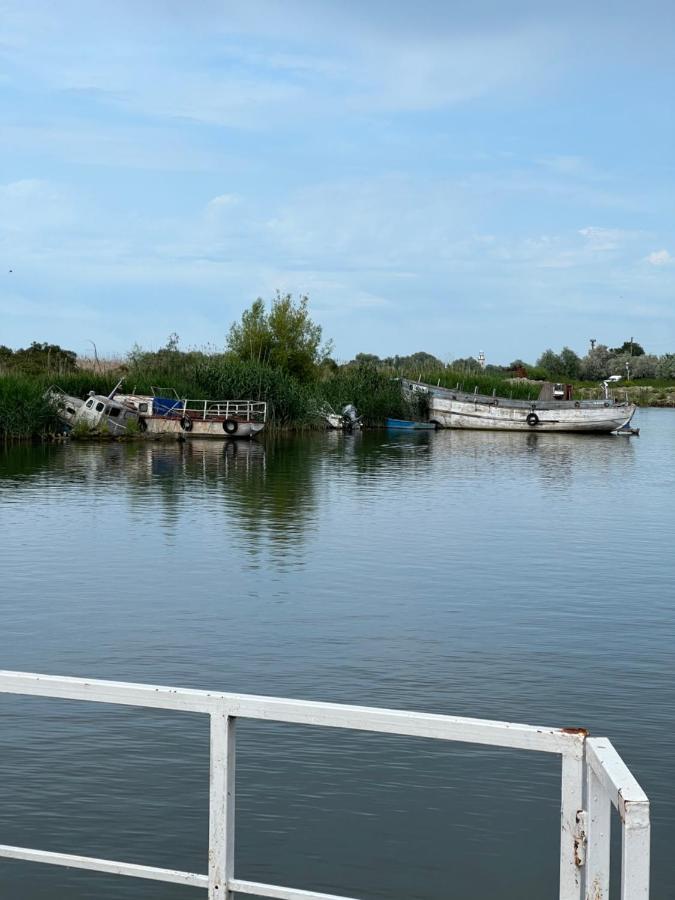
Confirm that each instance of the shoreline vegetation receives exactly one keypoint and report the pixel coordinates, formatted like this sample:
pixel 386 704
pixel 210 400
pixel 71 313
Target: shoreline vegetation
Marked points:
pixel 277 356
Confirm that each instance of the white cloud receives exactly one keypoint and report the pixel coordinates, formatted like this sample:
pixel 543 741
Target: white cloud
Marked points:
pixel 604 240
pixel 660 258
pixel 223 200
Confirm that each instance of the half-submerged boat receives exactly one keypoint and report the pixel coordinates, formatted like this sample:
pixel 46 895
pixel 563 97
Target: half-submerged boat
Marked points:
pixel 97 413
pixel 408 425
pixel 162 415
pixel 554 410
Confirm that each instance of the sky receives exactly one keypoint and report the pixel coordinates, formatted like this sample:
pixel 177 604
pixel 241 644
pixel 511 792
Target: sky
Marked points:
pixel 440 176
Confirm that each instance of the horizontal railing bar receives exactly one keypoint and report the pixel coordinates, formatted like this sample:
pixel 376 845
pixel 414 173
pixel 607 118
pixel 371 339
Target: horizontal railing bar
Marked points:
pixel 616 778
pixel 98 691
pixel 71 861
pixel 280 893
pixel 411 724
pixel 302 712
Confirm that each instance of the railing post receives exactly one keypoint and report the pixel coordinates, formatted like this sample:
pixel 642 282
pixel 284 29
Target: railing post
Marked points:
pixel 597 851
pixel 634 849
pixel 221 805
pixel 571 853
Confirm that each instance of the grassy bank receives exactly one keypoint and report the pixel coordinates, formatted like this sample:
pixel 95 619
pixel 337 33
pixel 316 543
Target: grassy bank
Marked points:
pixel 292 404
pixel 25 414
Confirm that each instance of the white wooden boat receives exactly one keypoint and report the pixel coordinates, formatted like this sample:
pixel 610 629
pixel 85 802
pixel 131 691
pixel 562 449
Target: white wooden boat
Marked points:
pixel 459 409
pixel 221 419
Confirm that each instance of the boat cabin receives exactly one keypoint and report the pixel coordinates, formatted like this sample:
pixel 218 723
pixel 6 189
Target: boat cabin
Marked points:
pixel 556 391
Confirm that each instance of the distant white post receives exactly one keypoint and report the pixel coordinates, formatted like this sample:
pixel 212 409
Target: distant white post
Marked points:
pixel 221 805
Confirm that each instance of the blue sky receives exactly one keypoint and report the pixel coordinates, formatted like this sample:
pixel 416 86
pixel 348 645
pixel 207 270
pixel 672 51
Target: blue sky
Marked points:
pixel 452 177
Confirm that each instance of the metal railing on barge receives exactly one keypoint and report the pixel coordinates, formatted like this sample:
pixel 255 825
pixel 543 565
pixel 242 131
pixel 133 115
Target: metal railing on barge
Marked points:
pixel 245 410
pixel 594 778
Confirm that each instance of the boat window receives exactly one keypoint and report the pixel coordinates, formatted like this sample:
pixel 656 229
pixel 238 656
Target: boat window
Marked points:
pixel 114 411
pixel 99 406
pixel 69 409
pixel 143 407
pixel 89 404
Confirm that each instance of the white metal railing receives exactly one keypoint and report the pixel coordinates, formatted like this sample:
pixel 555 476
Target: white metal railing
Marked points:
pixel 593 778
pixel 249 410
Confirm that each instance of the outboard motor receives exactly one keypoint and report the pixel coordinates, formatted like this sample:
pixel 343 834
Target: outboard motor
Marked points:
pixel 350 417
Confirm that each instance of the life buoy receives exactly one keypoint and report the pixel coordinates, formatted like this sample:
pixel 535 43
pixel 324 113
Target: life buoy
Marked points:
pixel 186 423
pixel 142 426
pixel 230 426
pixel 532 419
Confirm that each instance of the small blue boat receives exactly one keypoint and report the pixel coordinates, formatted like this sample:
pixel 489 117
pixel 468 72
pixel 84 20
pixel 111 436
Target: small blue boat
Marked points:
pixel 406 425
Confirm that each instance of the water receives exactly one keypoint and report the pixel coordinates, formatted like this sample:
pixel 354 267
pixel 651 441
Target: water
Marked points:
pixel 519 577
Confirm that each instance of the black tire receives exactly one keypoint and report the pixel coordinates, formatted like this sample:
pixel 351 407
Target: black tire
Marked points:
pixel 142 426
pixel 230 426
pixel 577 405
pixel 532 420
pixel 186 423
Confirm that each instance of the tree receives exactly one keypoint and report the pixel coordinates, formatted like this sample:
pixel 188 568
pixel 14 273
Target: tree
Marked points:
pixel 571 364
pixel 666 366
pixel 632 348
pixel 644 366
pixel 285 337
pixel 596 364
pixel 367 359
pixel 469 364
pixel 38 359
pixel 551 363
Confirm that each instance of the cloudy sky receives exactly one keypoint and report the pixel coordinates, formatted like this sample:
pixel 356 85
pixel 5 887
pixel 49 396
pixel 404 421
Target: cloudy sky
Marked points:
pixel 452 177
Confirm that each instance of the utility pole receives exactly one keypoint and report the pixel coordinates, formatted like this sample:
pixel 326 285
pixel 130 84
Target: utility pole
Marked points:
pixel 593 343
pixel 631 346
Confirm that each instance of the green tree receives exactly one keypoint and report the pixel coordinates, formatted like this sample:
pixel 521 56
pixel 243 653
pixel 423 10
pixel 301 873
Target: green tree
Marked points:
pixel 571 364
pixel 368 359
pixel 632 348
pixel 551 363
pixel 666 366
pixel 596 364
pixel 285 337
pixel 470 364
pixel 39 359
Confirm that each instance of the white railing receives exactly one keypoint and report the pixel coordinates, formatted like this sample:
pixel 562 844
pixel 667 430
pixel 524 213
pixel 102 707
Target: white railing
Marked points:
pixel 593 778
pixel 248 410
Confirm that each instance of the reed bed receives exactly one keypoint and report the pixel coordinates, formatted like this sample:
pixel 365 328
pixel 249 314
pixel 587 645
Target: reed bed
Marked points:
pixel 292 404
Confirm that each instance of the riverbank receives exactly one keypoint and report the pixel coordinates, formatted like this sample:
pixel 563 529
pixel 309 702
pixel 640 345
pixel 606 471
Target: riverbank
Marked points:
pixel 293 405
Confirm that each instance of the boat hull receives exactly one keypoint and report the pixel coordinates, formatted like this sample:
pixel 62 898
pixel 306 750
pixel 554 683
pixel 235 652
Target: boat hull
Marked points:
pixel 492 415
pixel 200 428
pixel 405 425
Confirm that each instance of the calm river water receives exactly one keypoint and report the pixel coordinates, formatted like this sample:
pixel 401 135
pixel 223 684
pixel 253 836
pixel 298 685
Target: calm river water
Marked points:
pixel 518 577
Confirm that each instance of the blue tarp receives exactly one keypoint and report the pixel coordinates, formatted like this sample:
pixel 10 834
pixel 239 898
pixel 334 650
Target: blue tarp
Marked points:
pixel 162 406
